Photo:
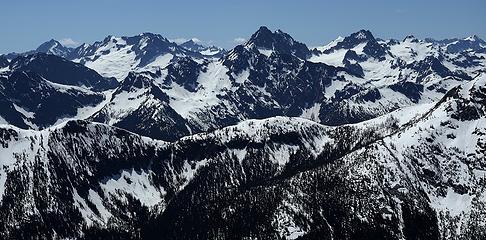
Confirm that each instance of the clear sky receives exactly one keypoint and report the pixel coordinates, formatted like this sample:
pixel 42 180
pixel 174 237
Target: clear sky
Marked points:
pixel 25 24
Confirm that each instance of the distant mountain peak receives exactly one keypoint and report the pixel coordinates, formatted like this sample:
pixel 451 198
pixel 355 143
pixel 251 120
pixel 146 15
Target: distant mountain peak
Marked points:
pixel 371 48
pixel 474 38
pixel 277 41
pixel 51 42
pixel 470 43
pixel 54 47
pixel 149 35
pixel 410 38
pixel 192 41
pixel 363 34
pixel 108 38
pixel 192 44
pixel 262 38
pixel 266 35
pixel 262 30
pixel 195 45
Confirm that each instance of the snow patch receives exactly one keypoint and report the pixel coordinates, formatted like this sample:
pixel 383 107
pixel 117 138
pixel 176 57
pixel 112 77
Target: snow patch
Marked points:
pixel 137 184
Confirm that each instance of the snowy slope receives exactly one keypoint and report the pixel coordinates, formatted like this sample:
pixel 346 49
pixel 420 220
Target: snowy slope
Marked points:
pixel 40 90
pixel 381 179
pixel 117 56
pixel 30 101
pixel 124 171
pixel 353 79
pixel 443 151
pixel 403 159
pixel 138 105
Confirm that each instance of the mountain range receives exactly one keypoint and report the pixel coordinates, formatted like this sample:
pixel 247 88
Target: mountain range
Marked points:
pixel 142 138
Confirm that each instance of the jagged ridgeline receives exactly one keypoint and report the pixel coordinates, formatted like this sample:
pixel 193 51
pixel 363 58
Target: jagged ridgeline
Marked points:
pixel 142 138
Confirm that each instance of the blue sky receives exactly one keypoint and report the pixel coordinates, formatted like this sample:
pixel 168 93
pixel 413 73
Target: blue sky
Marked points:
pixel 26 24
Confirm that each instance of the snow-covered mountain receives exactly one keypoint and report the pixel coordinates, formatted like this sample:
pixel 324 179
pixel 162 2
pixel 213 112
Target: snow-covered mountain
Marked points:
pixel 293 177
pixel 54 47
pixel 51 47
pixel 41 90
pixel 138 138
pixel 207 51
pixel 139 105
pixel 117 56
pixel 396 73
pixel 214 94
pixel 351 80
pixel 471 43
pixel 62 71
pixel 267 42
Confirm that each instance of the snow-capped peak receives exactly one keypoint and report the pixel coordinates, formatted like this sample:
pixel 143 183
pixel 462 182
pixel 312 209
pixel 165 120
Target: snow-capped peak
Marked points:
pixel 362 35
pixel 117 56
pixel 196 45
pixel 410 38
pixel 331 44
pixel 277 41
pixel 473 38
pixel 54 47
